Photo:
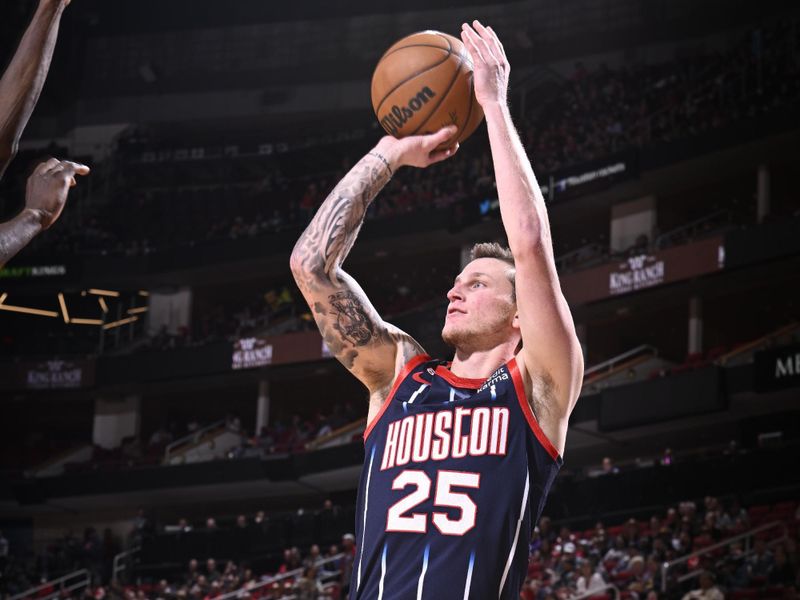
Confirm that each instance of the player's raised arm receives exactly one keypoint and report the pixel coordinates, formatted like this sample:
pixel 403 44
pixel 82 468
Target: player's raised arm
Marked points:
pixel 551 351
pixel 22 82
pixel 370 348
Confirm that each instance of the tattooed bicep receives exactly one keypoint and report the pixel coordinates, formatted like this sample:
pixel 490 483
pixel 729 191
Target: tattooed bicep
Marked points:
pixel 357 336
pixel 351 319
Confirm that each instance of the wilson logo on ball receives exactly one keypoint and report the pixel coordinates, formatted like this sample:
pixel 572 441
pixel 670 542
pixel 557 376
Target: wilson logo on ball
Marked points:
pixel 398 116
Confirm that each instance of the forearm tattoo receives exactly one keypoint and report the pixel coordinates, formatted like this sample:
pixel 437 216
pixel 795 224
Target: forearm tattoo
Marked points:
pixel 346 319
pixel 327 240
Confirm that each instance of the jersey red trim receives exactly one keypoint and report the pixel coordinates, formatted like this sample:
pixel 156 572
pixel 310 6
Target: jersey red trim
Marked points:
pixel 519 387
pixel 460 382
pixel 407 368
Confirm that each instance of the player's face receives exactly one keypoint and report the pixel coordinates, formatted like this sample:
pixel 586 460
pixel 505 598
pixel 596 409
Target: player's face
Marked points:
pixel 480 313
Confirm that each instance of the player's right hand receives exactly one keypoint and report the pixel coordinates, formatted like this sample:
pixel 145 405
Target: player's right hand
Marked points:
pixel 418 150
pixel 47 189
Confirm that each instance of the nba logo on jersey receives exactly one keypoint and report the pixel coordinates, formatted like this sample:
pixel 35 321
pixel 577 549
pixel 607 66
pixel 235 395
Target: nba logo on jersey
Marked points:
pixel 455 477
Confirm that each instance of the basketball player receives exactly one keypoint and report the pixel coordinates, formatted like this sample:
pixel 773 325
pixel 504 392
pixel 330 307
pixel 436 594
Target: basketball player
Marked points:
pixel 19 91
pixel 460 455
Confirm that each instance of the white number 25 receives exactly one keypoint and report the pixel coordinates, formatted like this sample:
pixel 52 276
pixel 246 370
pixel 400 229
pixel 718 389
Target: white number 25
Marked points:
pixel 416 522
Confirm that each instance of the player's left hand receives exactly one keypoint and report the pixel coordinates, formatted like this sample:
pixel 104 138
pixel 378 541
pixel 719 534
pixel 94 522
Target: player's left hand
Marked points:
pixel 489 61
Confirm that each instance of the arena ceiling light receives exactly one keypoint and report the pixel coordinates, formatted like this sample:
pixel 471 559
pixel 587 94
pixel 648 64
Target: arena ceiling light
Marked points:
pixel 77 321
pixel 63 305
pixel 24 309
pixel 119 323
pixel 109 293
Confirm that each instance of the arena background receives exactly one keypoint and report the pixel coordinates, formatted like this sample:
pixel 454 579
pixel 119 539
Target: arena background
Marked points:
pixel 168 399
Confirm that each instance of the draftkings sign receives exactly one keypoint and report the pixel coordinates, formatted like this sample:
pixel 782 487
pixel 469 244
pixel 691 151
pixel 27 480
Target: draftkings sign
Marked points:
pixel 777 368
pixel 252 352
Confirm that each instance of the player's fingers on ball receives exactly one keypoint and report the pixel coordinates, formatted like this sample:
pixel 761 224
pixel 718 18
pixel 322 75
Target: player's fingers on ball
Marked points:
pixel 498 43
pixel 467 36
pixel 440 155
pixel 481 38
pixel 444 134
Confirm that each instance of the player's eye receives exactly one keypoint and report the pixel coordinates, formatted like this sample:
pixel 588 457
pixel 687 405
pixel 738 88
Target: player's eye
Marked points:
pixel 477 283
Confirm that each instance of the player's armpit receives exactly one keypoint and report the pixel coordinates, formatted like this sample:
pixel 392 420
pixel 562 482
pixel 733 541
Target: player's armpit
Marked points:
pixel 371 349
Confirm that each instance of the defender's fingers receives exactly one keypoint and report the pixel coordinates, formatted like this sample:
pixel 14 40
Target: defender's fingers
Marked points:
pixel 46 166
pixel 75 168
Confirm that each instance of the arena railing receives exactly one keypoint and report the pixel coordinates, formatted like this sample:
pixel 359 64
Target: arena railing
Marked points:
pixel 321 575
pixel 122 562
pixel 190 440
pixel 747 537
pixel 751 347
pixel 705 225
pixel 597 592
pixel 339 436
pixel 624 360
pixel 77 580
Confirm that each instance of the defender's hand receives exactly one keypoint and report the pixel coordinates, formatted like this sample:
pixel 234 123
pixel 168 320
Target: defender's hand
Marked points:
pixel 418 150
pixel 489 61
pixel 48 186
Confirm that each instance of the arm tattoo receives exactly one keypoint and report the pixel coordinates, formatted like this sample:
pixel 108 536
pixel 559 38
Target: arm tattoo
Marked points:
pixel 327 240
pixel 352 321
pixel 349 324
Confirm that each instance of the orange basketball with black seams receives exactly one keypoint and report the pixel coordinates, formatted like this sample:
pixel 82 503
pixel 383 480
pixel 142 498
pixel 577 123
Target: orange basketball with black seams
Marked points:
pixel 425 82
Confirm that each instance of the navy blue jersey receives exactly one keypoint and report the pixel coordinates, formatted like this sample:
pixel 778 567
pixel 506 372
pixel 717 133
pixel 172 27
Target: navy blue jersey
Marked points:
pixel 455 476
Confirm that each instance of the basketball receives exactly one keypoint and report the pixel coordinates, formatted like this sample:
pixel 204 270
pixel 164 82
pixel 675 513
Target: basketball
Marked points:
pixel 425 82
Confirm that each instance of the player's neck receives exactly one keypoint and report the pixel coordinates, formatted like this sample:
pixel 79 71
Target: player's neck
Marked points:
pixel 479 364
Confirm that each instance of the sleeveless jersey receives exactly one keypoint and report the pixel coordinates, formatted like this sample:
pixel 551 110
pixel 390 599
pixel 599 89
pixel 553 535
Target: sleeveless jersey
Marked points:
pixel 455 476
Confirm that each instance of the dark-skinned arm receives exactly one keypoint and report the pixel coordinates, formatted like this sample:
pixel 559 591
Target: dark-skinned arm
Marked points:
pixel 24 78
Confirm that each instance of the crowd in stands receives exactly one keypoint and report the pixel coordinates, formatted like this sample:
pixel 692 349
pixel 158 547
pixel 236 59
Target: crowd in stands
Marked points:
pixel 282 436
pixel 603 562
pixel 597 112
pixel 630 556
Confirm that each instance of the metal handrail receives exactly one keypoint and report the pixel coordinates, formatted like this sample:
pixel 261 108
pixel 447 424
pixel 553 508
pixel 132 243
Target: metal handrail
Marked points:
pixel 597 592
pixel 687 227
pixel 754 344
pixel 282 576
pixel 57 585
pixel 193 437
pixel 620 357
pixel 723 544
pixel 345 429
pixel 118 566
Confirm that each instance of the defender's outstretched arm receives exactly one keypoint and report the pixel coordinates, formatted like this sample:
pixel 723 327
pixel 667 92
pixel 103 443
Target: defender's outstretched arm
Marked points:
pixel 22 82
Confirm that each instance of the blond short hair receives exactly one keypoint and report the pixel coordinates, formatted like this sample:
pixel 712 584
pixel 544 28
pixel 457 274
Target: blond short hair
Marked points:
pixel 495 250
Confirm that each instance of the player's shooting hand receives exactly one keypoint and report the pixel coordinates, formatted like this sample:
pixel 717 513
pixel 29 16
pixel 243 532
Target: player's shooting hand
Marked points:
pixel 418 150
pixel 48 186
pixel 489 61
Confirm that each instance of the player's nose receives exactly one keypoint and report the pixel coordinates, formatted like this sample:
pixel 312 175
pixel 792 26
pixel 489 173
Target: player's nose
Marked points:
pixel 454 294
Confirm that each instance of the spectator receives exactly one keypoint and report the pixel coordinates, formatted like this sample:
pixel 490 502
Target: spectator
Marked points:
pixel 782 571
pixel 346 564
pixel 590 578
pixel 707 590
pixel 4 552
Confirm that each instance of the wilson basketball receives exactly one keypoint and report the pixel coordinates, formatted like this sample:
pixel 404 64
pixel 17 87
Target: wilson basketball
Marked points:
pixel 425 82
